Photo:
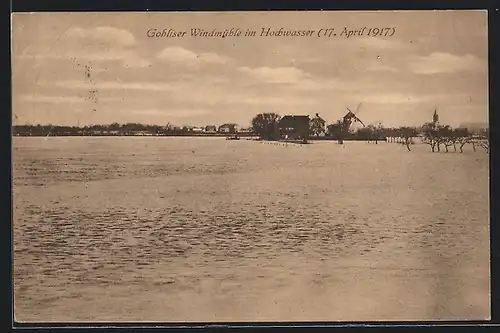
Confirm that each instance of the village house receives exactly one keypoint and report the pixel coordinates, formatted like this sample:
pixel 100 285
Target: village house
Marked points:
pixel 211 129
pixel 227 128
pixel 317 126
pixel 294 128
pixel 139 133
pixel 245 130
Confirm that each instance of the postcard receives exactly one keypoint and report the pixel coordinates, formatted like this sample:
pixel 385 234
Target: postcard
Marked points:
pixel 223 167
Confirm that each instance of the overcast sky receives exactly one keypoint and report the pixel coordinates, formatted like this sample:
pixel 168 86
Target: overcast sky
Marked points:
pixel 434 60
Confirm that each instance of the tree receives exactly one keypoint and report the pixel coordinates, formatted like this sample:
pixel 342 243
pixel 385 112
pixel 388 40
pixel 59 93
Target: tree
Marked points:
pixel 334 130
pixel 114 127
pixel 430 135
pixel 462 137
pixel 445 136
pixel 378 133
pixel 484 140
pixel 389 133
pixel 265 125
pixel 407 134
pixel 365 133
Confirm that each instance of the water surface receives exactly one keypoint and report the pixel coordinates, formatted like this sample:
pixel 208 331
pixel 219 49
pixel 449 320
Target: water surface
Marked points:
pixel 205 229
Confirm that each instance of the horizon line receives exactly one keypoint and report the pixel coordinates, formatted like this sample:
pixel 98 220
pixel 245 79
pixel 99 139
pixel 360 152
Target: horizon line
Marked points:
pixel 475 123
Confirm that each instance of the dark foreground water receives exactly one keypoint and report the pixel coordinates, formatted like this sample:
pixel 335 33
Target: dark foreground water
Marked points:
pixel 204 229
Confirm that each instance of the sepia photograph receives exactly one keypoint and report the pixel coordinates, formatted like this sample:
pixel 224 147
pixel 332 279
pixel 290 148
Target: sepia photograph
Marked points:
pixel 228 167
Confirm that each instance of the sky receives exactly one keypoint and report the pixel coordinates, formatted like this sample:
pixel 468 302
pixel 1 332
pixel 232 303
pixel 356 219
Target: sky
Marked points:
pixel 100 68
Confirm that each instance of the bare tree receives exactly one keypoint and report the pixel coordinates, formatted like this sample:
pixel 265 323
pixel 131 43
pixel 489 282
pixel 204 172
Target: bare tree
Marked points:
pixel 445 136
pixel 484 140
pixel 407 134
pixel 430 136
pixel 379 132
pixel 462 137
pixel 454 136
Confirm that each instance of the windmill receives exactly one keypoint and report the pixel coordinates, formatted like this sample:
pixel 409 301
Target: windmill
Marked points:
pixel 351 117
pixel 342 127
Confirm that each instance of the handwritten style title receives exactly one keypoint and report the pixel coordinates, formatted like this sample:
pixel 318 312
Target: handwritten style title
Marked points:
pixel 345 32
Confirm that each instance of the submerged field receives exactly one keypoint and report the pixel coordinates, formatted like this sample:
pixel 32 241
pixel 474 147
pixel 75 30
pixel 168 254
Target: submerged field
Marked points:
pixel 205 229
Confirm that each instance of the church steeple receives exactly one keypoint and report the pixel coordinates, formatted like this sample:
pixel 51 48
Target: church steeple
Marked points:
pixel 435 117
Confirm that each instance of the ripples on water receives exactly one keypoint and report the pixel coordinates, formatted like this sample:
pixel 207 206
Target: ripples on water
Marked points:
pixel 101 211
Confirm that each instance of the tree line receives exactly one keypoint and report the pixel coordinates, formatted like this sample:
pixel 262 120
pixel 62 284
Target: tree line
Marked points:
pixel 437 136
pixel 114 129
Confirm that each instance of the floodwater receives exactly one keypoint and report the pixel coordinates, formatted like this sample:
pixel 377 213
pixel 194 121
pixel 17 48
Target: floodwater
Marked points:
pixel 205 229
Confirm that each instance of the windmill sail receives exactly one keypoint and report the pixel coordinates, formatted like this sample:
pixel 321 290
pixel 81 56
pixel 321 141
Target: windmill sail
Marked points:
pixel 359 120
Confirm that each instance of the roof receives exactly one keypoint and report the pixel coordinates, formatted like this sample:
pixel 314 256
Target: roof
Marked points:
pixel 319 118
pixel 292 121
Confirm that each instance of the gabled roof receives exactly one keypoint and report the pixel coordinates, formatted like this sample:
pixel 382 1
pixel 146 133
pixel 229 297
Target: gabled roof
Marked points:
pixel 292 121
pixel 228 125
pixel 319 118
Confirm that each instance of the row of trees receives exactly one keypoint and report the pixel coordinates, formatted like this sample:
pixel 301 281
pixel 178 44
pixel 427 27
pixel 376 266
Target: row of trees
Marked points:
pixel 265 126
pixel 438 135
pixel 112 129
pixel 129 128
pixel 435 135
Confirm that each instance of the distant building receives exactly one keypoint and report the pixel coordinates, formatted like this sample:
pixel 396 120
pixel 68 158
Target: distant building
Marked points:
pixel 197 129
pixel 318 126
pixel 474 127
pixel 141 133
pixel 211 129
pixel 245 130
pixel 227 128
pixel 435 117
pixel 294 127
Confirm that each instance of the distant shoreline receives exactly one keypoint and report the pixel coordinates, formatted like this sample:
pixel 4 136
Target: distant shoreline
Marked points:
pixel 218 135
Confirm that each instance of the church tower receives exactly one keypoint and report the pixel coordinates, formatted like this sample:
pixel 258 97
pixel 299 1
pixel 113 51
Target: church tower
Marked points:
pixel 435 117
